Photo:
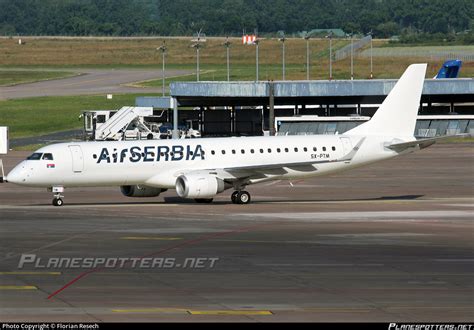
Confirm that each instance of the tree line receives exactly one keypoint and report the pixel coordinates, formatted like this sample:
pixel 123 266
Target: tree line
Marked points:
pixel 385 18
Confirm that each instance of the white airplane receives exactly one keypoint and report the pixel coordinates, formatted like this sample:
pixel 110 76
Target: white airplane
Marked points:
pixel 202 168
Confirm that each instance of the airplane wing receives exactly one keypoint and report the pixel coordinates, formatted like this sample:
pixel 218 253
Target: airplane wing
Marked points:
pixel 346 158
pixel 421 144
pixel 264 170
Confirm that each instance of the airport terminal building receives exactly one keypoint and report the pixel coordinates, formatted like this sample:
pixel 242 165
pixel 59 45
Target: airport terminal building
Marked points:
pixel 308 107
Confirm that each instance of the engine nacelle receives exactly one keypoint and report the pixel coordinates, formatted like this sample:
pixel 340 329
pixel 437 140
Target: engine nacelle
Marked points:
pixel 199 186
pixel 140 191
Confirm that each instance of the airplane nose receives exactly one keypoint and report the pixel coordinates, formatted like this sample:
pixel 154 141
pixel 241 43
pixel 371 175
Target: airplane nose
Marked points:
pixel 16 175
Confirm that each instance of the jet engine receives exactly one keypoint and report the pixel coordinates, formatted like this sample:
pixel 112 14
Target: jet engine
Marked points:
pixel 140 191
pixel 199 186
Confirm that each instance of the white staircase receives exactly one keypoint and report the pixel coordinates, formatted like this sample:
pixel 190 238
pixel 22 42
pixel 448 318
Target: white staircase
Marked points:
pixel 113 128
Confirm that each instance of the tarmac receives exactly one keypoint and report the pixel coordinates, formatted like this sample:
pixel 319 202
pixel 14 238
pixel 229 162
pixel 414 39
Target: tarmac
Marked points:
pixel 90 82
pixel 391 242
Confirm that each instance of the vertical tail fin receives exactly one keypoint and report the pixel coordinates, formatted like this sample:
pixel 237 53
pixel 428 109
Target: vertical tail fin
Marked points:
pixel 396 116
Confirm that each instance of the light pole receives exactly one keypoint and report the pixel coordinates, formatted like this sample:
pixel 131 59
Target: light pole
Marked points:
pixel 352 56
pixel 330 54
pixel 306 37
pixel 371 63
pixel 283 39
pixel 256 59
pixel 198 46
pixel 227 44
pixel 162 49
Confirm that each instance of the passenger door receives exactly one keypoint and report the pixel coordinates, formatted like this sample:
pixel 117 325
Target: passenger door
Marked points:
pixel 77 159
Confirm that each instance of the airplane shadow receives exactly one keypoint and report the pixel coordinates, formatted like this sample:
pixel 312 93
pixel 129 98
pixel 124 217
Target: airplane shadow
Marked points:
pixel 318 200
pixel 185 201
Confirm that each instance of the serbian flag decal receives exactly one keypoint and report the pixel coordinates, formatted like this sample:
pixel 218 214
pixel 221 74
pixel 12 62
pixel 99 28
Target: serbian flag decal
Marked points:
pixel 50 166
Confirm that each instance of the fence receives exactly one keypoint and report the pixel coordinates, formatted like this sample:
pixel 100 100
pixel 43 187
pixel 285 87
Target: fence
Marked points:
pixel 345 51
pixel 463 53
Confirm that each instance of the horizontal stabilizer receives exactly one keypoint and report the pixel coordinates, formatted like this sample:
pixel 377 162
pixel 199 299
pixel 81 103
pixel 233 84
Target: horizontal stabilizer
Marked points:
pixel 420 144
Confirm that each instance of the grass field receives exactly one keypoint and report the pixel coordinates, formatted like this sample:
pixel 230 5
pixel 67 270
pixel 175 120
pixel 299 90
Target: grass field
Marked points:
pixel 14 77
pixel 44 58
pixel 41 115
pixel 142 52
pixel 134 52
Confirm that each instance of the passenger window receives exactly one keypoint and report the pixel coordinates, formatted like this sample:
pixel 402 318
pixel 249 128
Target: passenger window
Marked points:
pixel 296 149
pixel 286 150
pixel 315 149
pixel 242 151
pixel 213 152
pixel 269 150
pixel 48 156
pixel 252 151
pixel 333 148
pixel 233 151
pixel 35 156
pixel 261 151
pixel 223 152
pixel 324 148
pixel 278 150
pixel 305 149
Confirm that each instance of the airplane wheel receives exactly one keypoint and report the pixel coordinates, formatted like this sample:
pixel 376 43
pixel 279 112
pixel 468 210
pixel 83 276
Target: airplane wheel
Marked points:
pixel 204 200
pixel 233 197
pixel 58 202
pixel 243 197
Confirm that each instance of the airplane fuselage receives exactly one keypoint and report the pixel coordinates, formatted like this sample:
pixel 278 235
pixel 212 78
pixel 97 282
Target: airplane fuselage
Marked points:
pixel 158 163
pixel 202 168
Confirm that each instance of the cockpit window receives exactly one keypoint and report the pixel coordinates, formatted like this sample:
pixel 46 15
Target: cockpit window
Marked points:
pixel 48 156
pixel 35 156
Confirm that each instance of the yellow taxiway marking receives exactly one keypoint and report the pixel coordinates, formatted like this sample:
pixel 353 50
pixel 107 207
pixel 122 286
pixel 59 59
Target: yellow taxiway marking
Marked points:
pixel 30 273
pixel 229 312
pixel 151 238
pixel 18 287
pixel 151 310
pixel 339 310
pixel 193 312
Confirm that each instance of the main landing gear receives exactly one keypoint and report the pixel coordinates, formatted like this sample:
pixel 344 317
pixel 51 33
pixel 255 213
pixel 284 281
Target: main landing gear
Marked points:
pixel 58 198
pixel 240 197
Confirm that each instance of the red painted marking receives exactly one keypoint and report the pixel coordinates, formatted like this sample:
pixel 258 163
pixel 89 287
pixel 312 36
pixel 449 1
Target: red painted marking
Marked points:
pixel 177 246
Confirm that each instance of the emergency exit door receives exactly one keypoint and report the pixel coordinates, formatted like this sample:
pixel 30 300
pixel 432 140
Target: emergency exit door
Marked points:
pixel 346 144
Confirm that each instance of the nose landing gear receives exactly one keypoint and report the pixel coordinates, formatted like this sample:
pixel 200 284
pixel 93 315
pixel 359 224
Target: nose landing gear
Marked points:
pixel 57 201
pixel 58 198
